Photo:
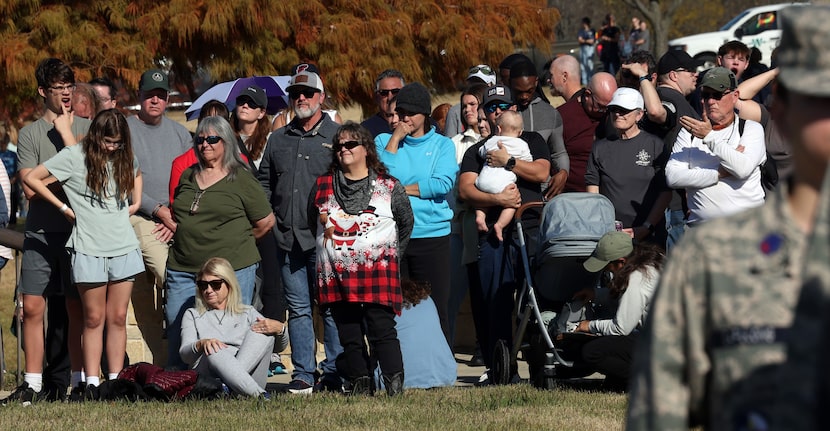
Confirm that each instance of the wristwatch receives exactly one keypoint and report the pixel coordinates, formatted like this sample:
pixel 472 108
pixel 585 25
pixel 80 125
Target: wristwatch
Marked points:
pixel 511 163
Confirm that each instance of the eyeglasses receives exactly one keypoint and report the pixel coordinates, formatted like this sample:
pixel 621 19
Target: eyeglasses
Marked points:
pixel 598 107
pixel 216 285
pixel 349 145
pixel 308 93
pixel 491 108
pixel 63 88
pixel 248 101
pixel 483 69
pixel 618 110
pixel 114 144
pixel 706 95
pixel 212 140
pixel 194 207
pixel 386 93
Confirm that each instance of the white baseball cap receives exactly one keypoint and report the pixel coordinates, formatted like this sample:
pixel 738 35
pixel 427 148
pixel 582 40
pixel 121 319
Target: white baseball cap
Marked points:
pixel 484 73
pixel 306 79
pixel 627 98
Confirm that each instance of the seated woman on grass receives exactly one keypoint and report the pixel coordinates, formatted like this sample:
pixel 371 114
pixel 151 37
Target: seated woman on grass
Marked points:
pixel 225 339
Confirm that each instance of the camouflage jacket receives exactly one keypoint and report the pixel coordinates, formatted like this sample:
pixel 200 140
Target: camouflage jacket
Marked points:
pixel 722 309
pixel 804 381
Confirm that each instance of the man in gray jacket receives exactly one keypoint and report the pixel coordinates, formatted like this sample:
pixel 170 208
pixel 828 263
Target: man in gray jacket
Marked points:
pixel 540 117
pixel 295 156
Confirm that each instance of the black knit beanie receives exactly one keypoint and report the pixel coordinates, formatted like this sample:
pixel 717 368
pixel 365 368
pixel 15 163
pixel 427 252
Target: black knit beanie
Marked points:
pixel 414 98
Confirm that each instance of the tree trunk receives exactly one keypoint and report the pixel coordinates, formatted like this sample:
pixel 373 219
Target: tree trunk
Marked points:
pixel 661 16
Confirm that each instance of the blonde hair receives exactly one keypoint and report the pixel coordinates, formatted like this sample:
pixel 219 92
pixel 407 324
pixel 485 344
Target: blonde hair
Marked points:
pixel 510 122
pixel 220 267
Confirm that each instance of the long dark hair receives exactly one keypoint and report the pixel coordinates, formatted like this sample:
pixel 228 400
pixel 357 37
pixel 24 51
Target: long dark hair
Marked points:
pixel 213 108
pixel 109 123
pixel 256 142
pixel 644 255
pixel 364 136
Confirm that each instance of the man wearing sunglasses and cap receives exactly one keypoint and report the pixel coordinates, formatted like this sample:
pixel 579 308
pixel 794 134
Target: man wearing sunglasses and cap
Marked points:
pixel 665 103
pixel 494 276
pixel 717 159
pixel 295 156
pixel 387 86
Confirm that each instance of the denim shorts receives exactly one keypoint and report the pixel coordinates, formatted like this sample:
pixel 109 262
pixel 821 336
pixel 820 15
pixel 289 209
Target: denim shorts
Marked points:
pixel 88 269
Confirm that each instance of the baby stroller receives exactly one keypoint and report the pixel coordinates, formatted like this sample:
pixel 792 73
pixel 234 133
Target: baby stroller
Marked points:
pixel 571 225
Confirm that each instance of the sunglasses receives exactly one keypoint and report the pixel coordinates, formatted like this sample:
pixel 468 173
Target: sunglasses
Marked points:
pixel 212 140
pixel 385 93
pixel 620 110
pixel 308 93
pixel 706 95
pixel 492 107
pixel 216 285
pixel 194 207
pixel 248 101
pixel 349 145
pixel 483 69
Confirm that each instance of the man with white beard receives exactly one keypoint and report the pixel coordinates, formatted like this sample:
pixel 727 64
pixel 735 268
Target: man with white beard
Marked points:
pixel 294 157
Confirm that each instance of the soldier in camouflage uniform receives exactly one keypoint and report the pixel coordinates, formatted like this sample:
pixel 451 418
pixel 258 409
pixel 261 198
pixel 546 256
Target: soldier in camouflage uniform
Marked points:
pixel 712 352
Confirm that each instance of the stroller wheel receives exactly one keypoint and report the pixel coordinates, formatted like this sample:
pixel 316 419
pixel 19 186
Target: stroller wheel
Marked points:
pixel 501 364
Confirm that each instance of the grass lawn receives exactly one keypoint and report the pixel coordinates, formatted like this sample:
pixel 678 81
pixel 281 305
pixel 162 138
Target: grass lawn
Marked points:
pixel 493 408
pixel 462 408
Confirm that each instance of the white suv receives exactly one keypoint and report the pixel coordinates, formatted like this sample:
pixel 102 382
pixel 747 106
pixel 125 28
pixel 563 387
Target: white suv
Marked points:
pixel 756 27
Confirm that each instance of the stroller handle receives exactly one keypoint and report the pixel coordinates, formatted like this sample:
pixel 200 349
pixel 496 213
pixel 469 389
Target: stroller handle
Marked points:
pixel 525 207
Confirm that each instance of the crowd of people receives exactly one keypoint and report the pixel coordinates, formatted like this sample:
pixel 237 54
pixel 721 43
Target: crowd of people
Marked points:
pixel 382 228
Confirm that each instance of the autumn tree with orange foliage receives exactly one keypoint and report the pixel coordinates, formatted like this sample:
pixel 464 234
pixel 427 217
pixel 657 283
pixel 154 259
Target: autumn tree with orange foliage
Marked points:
pixel 350 41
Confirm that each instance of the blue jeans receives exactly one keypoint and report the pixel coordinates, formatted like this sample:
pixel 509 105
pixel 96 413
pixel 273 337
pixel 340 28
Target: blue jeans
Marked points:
pixel 586 60
pixel 181 295
pixel 675 226
pixel 299 269
pixel 493 282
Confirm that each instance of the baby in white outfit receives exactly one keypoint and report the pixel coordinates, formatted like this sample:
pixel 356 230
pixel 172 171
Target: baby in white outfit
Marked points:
pixel 493 179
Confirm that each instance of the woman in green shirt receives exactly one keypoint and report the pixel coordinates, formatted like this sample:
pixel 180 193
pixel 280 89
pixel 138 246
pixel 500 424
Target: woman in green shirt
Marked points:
pixel 220 210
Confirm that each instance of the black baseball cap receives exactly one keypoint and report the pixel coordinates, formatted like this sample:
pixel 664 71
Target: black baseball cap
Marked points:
pixel 677 59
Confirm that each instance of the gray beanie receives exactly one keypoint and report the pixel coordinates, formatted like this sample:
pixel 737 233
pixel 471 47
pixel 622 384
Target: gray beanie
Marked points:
pixel 414 98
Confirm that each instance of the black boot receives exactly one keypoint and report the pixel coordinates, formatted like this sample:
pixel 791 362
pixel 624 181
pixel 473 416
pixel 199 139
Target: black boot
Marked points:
pixel 364 385
pixel 393 383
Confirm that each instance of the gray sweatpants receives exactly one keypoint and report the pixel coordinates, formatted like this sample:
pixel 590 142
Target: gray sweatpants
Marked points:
pixel 243 370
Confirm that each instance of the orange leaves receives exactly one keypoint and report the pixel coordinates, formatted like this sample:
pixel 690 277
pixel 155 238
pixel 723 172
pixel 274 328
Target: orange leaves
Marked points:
pixel 350 40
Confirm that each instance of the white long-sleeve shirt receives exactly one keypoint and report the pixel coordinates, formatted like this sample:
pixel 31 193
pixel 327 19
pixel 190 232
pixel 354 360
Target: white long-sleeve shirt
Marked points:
pixel 694 164
pixel 633 306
